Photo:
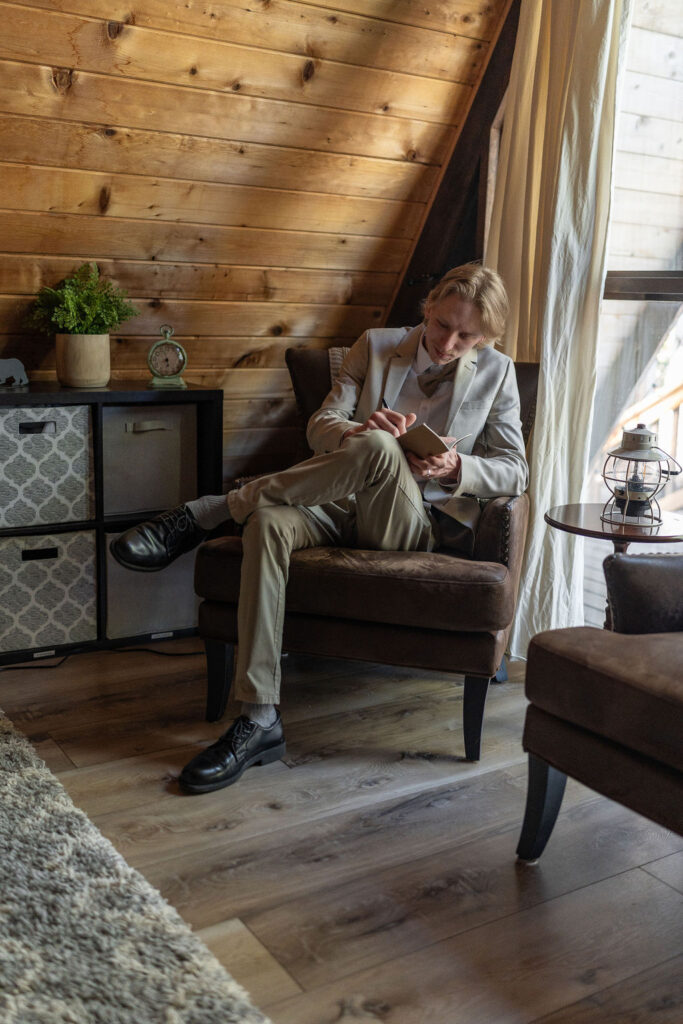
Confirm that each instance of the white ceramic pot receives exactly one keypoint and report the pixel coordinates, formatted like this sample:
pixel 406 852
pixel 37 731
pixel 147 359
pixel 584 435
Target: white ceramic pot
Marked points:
pixel 83 360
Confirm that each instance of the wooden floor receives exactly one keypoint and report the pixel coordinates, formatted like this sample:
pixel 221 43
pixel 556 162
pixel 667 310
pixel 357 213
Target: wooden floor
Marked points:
pixel 371 876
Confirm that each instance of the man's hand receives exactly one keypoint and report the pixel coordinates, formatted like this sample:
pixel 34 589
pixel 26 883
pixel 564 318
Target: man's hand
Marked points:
pixel 384 419
pixel 444 467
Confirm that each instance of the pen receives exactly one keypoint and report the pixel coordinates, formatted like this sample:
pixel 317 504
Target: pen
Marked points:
pixel 458 440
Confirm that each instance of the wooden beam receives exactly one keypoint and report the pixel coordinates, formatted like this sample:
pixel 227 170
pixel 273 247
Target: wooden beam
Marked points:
pixel 450 235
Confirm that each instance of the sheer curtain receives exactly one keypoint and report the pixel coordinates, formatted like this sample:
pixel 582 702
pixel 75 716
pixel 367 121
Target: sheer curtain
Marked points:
pixel 548 241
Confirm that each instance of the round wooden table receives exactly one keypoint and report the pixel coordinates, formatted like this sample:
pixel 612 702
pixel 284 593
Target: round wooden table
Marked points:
pixel 585 520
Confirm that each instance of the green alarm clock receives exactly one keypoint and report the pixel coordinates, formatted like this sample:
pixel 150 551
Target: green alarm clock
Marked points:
pixel 167 359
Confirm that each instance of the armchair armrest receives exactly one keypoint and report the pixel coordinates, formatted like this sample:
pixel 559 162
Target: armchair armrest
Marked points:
pixel 501 531
pixel 645 592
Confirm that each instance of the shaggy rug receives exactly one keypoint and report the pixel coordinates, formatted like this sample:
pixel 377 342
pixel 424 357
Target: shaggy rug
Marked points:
pixel 84 939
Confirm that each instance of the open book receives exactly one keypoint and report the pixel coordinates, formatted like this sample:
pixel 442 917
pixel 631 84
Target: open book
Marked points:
pixel 422 441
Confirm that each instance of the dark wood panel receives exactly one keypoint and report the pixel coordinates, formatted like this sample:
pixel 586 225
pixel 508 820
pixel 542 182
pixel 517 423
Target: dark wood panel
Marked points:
pixel 449 236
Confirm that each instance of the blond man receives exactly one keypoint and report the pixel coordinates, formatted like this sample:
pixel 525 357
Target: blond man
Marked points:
pixel 360 488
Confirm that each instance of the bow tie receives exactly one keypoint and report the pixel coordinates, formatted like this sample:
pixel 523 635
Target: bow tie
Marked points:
pixel 429 380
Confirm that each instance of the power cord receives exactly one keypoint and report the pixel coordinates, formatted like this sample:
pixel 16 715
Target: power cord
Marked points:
pixel 26 668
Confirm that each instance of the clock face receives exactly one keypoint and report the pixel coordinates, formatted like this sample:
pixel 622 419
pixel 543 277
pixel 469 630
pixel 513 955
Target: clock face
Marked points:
pixel 167 359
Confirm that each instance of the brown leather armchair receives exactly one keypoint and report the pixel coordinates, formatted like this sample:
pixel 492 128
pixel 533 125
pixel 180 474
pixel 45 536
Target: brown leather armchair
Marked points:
pixel 606 706
pixel 425 610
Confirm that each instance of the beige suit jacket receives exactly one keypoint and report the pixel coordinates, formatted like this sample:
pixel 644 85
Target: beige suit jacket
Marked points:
pixel 484 404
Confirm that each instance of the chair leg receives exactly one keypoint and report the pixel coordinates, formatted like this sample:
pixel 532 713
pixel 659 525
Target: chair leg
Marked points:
pixel 543 799
pixel 473 714
pixel 219 661
pixel 501 675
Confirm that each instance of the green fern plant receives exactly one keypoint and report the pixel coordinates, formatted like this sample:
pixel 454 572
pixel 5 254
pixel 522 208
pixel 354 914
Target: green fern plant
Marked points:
pixel 84 303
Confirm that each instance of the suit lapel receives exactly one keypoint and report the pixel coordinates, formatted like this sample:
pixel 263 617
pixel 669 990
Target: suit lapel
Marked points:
pixel 400 363
pixel 463 382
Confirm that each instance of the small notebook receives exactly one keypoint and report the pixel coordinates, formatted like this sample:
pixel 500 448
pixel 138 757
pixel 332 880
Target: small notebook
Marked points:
pixel 422 441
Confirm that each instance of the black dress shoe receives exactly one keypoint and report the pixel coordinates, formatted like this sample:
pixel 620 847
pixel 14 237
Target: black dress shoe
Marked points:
pixel 153 545
pixel 244 744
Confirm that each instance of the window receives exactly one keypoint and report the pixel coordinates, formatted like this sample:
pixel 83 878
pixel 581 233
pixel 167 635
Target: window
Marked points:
pixel 640 344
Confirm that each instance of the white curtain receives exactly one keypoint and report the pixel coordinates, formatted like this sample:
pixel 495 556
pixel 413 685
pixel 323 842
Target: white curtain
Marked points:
pixel 548 241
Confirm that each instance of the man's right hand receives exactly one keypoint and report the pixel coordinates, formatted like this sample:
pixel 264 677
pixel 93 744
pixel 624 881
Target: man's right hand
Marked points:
pixel 395 423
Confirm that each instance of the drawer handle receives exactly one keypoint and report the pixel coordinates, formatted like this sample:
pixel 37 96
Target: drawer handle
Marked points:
pixel 38 427
pixel 142 426
pixel 34 554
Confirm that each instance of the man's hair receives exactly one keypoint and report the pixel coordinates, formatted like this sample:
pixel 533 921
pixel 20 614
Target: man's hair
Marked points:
pixel 482 287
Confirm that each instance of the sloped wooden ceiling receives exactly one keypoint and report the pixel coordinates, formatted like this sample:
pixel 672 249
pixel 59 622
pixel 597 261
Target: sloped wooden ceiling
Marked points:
pixel 254 172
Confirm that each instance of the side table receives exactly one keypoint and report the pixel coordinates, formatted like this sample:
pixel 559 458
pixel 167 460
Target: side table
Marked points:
pixel 585 520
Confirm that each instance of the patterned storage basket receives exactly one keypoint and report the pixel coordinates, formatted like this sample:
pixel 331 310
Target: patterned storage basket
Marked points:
pixel 47 590
pixel 46 465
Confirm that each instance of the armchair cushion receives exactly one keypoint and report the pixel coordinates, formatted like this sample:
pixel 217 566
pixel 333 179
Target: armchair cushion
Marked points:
pixel 625 688
pixel 416 589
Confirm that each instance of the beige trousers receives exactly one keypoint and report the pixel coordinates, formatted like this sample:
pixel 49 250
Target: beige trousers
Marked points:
pixel 361 495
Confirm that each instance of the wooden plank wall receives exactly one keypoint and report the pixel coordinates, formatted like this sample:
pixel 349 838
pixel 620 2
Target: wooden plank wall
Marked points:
pixel 254 172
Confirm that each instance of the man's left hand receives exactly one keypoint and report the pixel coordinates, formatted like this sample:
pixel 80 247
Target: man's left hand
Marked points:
pixel 445 467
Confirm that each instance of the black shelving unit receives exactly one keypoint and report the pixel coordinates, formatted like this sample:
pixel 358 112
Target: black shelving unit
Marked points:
pixel 207 428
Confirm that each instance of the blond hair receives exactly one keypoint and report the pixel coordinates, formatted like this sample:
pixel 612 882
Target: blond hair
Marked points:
pixel 482 287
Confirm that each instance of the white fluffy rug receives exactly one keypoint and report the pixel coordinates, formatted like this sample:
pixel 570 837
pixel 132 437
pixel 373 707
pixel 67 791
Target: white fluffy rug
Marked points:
pixel 84 939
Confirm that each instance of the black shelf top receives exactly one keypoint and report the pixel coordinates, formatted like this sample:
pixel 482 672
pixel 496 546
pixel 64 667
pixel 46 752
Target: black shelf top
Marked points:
pixel 40 392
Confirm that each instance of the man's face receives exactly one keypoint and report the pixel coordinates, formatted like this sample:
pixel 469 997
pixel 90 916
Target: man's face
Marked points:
pixel 452 328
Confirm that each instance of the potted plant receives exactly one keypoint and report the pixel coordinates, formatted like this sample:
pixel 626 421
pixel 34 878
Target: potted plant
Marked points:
pixel 80 311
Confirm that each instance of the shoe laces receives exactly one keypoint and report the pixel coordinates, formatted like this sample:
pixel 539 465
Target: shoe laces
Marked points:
pixel 178 519
pixel 239 732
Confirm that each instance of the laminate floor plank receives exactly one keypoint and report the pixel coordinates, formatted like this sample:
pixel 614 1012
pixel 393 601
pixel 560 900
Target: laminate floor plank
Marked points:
pixel 654 996
pixel 514 970
pixel 134 786
pixel 337 764
pixel 234 876
pixel 248 961
pixel 669 870
pixel 400 909
pixel 54 685
pixel 52 754
pixel 176 720
pixel 118 721
pixel 371 876
pixel 115 703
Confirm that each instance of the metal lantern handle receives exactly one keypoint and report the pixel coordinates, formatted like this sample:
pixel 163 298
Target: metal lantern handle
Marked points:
pixel 666 470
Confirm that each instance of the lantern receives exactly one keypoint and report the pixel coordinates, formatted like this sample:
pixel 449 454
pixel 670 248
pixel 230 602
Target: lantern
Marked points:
pixel 635 473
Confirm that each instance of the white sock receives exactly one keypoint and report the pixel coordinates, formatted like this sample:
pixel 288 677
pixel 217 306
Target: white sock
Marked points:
pixel 263 714
pixel 210 510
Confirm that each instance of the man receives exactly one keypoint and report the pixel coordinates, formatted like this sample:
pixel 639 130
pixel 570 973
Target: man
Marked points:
pixel 360 488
